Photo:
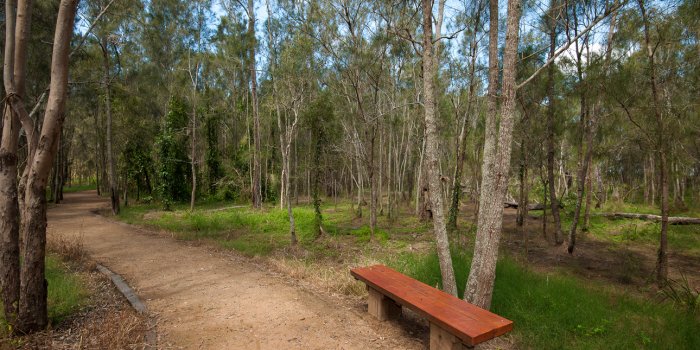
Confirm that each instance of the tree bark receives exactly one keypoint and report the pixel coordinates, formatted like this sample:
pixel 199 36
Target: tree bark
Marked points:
pixel 449 283
pixel 112 171
pixel 33 304
pixel 585 147
pixel 17 24
pixel 479 289
pixel 661 149
pixel 589 198
pixel 461 143
pixel 256 188
pixel 551 114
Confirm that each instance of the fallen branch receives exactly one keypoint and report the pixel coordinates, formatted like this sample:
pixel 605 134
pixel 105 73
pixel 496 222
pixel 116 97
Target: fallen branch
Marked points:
pixel 532 206
pixel 673 220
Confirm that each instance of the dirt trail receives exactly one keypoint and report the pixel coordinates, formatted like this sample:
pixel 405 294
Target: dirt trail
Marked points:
pixel 207 300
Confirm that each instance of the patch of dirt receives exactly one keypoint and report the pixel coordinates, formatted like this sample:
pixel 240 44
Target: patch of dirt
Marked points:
pixel 204 298
pixel 631 266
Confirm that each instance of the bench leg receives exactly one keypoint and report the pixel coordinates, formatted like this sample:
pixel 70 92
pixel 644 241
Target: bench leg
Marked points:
pixel 441 339
pixel 382 307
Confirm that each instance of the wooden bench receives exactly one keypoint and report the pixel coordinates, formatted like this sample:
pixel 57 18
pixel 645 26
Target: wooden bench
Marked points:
pixel 454 323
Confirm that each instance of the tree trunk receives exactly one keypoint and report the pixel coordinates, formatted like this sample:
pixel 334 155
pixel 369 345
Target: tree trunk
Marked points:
pixel 17 24
pixel 585 147
pixel 113 190
pixel 256 188
pixel 661 149
pixel 372 174
pixel 544 209
pixel 589 197
pixel 33 304
pixel 462 142
pixel 496 167
pixel 551 113
pixel 449 283
pixel 193 131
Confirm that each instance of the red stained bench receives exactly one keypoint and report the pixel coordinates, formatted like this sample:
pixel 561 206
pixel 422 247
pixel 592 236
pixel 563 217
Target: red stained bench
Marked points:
pixel 454 323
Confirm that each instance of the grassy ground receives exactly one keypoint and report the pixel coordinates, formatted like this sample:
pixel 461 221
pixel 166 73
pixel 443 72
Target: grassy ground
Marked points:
pixel 66 292
pixel 554 311
pixel 79 188
pixel 551 310
pixel 262 232
pixel 681 238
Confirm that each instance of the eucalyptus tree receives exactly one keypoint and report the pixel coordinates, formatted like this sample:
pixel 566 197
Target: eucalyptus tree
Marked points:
pixel 256 186
pixel 17 25
pixel 24 287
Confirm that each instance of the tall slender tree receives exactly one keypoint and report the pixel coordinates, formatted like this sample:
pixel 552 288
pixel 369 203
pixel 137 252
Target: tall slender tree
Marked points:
pixel 33 314
pixel 496 167
pixel 449 283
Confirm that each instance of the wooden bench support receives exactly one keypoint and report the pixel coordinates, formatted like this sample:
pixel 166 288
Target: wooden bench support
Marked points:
pixel 382 307
pixel 441 339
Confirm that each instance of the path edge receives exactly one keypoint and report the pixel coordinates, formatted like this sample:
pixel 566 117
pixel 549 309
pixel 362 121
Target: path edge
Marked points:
pixel 151 337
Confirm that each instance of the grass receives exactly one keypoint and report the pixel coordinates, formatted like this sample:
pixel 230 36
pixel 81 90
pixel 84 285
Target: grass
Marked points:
pixel 79 188
pixel 66 292
pixel 253 232
pixel 681 238
pixel 553 311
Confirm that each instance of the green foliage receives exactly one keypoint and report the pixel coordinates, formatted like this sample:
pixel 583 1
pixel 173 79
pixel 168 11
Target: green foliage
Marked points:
pixel 137 163
pixel 554 311
pixel 173 170
pixel 319 118
pixel 213 157
pixel 683 295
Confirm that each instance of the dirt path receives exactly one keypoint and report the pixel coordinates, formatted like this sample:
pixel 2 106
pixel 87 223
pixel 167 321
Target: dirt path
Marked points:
pixel 207 300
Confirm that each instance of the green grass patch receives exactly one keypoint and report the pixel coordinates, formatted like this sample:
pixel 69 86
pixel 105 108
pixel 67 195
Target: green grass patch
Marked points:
pixel 253 232
pixel 79 188
pixel 260 232
pixel 681 238
pixel 66 293
pixel 364 234
pixel 560 312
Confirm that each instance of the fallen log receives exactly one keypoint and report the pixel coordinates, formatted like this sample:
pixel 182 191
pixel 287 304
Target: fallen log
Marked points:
pixel 532 206
pixel 673 220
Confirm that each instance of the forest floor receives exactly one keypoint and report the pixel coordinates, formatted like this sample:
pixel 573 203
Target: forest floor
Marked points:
pixel 225 276
pixel 626 264
pixel 204 298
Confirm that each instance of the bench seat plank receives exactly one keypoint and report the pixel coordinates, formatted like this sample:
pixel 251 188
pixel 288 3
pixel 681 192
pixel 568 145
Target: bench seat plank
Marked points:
pixel 469 323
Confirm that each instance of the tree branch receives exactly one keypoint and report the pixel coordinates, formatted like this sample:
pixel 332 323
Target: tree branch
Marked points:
pixel 569 42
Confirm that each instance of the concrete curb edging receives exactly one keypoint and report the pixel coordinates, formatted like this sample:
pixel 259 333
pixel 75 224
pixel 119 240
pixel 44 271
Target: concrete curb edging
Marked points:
pixel 151 337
